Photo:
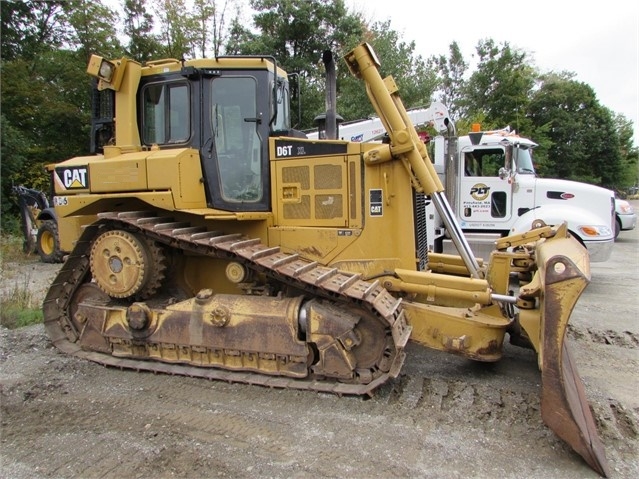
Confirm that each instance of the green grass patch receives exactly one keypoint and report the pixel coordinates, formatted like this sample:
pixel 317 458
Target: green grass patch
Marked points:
pixel 12 248
pixel 17 309
pixel 13 318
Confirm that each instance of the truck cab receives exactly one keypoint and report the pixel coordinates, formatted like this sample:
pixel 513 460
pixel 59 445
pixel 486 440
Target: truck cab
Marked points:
pixel 494 189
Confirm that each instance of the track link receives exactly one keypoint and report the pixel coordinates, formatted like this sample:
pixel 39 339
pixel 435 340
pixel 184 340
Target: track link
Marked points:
pixel 343 288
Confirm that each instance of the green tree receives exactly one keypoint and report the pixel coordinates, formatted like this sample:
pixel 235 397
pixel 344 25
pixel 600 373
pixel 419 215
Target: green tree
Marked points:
pixel 584 144
pixel 30 26
pixel 219 25
pixel 629 153
pixel 143 44
pixel 414 78
pixel 203 14
pixel 451 71
pixel 239 36
pixel 45 90
pixel 49 105
pixel 500 87
pixel 177 27
pixel 92 29
pixel 27 29
pixel 13 16
pixel 14 149
pixel 296 33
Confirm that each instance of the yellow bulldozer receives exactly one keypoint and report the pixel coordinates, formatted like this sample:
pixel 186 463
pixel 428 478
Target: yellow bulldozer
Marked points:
pixel 212 240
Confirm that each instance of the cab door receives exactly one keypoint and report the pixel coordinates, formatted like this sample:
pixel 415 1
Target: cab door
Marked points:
pixel 485 199
pixel 234 148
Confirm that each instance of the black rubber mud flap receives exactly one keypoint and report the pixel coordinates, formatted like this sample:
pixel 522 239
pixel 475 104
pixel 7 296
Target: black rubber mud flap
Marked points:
pixel 564 407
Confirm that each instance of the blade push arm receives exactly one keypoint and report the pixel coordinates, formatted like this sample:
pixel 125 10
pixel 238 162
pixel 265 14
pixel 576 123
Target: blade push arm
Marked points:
pixel 405 143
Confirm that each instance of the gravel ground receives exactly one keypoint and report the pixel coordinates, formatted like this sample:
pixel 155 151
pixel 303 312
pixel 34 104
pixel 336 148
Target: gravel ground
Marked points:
pixel 443 417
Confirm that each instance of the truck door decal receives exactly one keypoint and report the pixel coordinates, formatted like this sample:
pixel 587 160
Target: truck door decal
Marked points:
pixel 479 191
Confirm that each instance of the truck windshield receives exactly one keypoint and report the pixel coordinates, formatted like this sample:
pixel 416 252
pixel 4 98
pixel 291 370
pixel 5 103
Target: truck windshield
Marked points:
pixel 523 161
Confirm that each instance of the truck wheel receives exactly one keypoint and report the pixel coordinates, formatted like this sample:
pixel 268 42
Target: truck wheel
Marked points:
pixel 617 227
pixel 48 243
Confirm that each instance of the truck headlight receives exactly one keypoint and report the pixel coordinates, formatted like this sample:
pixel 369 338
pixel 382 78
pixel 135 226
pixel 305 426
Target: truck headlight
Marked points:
pixel 625 207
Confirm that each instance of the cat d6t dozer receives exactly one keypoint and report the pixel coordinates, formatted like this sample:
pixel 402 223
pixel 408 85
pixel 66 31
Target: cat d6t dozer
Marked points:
pixel 210 239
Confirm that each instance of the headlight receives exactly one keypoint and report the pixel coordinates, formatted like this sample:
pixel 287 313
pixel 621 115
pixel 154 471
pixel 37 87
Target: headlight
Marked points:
pixel 109 73
pixel 106 70
pixel 101 68
pixel 625 207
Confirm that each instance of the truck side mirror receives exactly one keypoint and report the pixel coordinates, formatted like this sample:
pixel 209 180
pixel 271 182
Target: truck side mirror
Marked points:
pixel 504 171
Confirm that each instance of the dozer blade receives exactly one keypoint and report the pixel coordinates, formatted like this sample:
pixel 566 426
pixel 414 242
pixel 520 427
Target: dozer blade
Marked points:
pixel 564 271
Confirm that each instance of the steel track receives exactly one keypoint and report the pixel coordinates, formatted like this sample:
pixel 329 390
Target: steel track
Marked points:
pixel 343 288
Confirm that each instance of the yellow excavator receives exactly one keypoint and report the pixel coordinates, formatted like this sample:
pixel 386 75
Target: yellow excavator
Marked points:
pixel 210 239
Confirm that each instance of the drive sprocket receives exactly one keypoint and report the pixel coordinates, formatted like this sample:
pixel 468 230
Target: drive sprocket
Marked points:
pixel 125 265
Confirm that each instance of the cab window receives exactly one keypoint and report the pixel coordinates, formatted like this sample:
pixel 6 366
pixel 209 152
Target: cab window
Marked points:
pixel 483 162
pixel 166 113
pixel 282 104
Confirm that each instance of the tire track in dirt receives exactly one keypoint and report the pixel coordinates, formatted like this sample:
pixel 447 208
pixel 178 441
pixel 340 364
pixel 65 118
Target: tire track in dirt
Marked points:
pixel 622 339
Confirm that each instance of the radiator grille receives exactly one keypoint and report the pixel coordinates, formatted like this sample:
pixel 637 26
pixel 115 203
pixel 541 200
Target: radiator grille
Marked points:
pixel 313 194
pixel 328 207
pixel 296 211
pixel 297 174
pixel 327 177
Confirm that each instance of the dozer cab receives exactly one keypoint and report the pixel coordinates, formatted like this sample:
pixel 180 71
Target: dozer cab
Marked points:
pixel 210 239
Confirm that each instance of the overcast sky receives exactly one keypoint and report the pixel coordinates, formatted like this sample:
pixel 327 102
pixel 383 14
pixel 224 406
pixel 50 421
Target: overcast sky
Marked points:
pixel 599 42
